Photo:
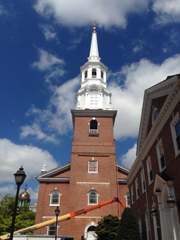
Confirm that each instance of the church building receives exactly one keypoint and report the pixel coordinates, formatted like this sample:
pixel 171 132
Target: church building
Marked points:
pixel 93 175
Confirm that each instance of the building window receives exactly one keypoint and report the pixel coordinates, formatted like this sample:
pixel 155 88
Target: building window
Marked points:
pixel 94 72
pixel 85 74
pixel 93 127
pixel 137 189
pixel 51 230
pixel 160 155
pixel 55 198
pixel 175 130
pixel 149 170
pixel 92 166
pixel 143 183
pixel 127 199
pixel 92 197
pixel 102 74
pixel 155 114
pixel 132 194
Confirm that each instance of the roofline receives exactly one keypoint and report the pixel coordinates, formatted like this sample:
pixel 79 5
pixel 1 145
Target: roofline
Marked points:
pixel 58 180
pixel 123 168
pixel 54 170
pixel 93 113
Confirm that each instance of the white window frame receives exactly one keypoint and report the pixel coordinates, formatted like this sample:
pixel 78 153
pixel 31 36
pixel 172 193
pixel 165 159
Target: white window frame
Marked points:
pixel 127 199
pixel 50 200
pixel 89 162
pixel 88 195
pixel 176 118
pixel 149 169
pixel 159 152
pixel 48 230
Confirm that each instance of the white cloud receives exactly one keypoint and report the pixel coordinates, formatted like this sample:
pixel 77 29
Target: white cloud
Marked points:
pixel 48 32
pixel 56 119
pixel 47 61
pixel 127 98
pixel 167 10
pixel 3 11
pixel 128 158
pixel 12 156
pixel 50 64
pixel 79 13
pixel 35 131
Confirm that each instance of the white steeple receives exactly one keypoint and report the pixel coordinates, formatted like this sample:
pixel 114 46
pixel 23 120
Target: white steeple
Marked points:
pixel 94 52
pixel 93 93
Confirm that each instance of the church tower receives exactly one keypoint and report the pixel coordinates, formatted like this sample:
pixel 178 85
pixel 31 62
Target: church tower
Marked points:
pixel 93 175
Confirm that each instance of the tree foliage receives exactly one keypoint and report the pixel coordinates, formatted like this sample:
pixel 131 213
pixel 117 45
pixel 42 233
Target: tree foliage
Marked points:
pixel 25 217
pixel 128 229
pixel 107 228
pixel 111 228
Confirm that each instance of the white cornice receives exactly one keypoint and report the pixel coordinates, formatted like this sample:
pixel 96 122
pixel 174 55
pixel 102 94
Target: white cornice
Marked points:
pixel 161 89
pixel 166 111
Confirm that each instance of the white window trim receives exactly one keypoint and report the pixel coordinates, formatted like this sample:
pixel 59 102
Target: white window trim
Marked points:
pixel 149 168
pixel 159 155
pixel 126 196
pixel 48 230
pixel 97 166
pixel 50 199
pixel 97 197
pixel 176 118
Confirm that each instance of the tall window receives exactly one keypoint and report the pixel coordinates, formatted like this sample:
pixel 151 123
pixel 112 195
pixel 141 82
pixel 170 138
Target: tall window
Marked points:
pixel 149 170
pixel 127 199
pixel 94 72
pixel 160 155
pixel 92 166
pixel 175 130
pixel 132 194
pixel 102 74
pixel 155 114
pixel 51 229
pixel 93 127
pixel 85 74
pixel 92 197
pixel 143 183
pixel 55 198
pixel 137 189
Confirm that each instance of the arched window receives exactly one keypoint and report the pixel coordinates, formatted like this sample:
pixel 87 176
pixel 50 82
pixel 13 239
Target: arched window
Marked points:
pixel 55 198
pixel 85 74
pixel 94 72
pixel 102 74
pixel 92 197
pixel 93 127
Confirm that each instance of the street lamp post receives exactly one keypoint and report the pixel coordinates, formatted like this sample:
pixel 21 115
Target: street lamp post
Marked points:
pixel 57 212
pixel 19 178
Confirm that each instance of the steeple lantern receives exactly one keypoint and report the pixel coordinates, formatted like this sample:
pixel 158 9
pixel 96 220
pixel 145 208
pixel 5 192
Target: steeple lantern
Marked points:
pixel 93 93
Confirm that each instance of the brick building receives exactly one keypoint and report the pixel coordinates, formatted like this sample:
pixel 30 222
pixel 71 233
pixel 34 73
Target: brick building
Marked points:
pixel 92 176
pixel 154 179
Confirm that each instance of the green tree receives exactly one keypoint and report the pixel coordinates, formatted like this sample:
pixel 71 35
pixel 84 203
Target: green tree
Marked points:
pixel 25 217
pixel 128 229
pixel 107 228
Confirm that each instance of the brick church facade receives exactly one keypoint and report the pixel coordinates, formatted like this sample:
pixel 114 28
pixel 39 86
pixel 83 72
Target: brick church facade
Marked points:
pixel 154 179
pixel 92 176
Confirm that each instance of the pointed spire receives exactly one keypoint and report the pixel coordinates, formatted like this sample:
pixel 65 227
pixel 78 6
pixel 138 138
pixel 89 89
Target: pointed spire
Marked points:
pixel 94 53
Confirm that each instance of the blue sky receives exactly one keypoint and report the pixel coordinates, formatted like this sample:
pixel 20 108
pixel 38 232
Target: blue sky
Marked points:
pixel 43 43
